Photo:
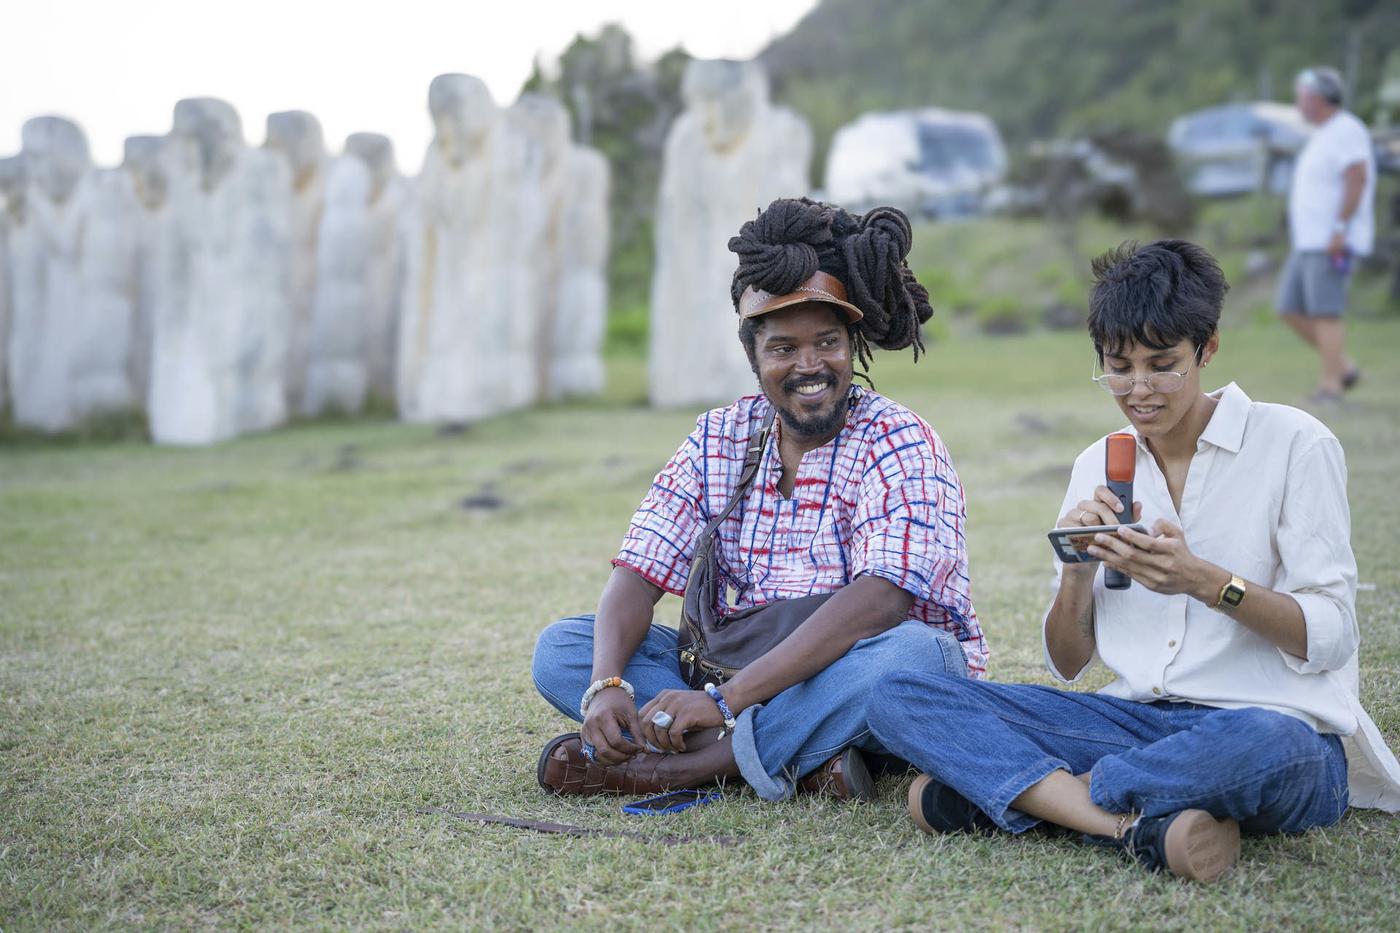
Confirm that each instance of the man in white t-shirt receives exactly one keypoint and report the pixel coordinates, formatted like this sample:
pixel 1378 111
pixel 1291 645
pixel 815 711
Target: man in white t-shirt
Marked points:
pixel 1330 222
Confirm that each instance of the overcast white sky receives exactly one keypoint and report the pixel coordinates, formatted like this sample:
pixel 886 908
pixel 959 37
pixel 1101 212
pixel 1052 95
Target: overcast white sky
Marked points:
pixel 118 66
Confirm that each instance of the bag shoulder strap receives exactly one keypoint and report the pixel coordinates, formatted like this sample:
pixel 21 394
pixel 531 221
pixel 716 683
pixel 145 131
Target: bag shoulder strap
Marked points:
pixel 758 440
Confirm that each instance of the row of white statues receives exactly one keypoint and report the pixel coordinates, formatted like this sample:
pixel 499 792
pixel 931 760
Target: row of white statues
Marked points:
pixel 224 288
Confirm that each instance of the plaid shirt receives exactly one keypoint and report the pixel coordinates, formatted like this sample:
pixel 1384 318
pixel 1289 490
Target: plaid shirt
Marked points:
pixel 881 498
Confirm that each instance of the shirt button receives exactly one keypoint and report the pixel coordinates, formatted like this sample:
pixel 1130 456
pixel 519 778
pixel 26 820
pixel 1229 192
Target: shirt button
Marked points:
pixel 1172 643
pixel 1157 691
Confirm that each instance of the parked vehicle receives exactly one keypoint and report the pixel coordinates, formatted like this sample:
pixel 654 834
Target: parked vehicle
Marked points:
pixel 1238 148
pixel 930 162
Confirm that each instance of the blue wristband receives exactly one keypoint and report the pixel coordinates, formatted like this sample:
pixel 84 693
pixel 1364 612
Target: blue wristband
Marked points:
pixel 724 711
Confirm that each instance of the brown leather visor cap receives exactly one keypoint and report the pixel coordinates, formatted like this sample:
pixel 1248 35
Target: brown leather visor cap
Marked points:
pixel 821 287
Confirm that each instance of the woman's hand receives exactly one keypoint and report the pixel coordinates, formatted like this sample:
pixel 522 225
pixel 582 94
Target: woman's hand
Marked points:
pixel 1160 561
pixel 1103 509
pixel 689 710
pixel 611 712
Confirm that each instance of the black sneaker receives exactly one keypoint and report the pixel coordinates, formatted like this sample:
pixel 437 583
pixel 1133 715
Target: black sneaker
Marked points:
pixel 1190 844
pixel 937 808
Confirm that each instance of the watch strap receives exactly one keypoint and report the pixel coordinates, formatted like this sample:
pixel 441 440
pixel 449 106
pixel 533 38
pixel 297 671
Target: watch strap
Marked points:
pixel 1231 594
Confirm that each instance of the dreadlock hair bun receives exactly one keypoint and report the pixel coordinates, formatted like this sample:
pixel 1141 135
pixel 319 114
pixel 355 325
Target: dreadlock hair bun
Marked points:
pixel 794 237
pixel 778 249
pixel 880 282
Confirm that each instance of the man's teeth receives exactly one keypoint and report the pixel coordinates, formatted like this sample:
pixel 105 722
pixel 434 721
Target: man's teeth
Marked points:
pixel 811 389
pixel 1145 409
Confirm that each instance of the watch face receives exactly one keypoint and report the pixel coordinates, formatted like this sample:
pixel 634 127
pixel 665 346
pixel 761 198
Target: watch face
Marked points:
pixel 1232 596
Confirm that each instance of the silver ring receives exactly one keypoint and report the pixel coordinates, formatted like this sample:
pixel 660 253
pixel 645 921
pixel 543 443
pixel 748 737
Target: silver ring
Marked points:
pixel 588 752
pixel 661 719
pixel 1082 513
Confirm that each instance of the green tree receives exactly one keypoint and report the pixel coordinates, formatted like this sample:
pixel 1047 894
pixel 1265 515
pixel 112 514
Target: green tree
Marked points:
pixel 623 108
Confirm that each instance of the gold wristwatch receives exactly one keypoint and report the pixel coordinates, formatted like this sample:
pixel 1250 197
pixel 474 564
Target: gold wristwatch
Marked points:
pixel 1231 594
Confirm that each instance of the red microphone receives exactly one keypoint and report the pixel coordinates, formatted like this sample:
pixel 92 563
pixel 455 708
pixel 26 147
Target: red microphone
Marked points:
pixel 1120 462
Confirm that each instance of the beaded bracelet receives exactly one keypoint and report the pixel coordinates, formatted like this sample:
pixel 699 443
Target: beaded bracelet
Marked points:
pixel 604 684
pixel 724 711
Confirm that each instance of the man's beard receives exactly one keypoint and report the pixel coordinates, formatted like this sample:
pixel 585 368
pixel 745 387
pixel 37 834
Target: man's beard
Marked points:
pixel 821 424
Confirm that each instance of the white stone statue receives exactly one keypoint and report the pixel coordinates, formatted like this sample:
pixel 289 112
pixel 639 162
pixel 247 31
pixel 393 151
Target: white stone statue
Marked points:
pixel 11 212
pixel 144 159
pixel 727 156
pixel 531 170
pixel 384 267
pixel 297 136
pixel 338 362
pixel 219 357
pixel 46 266
pixel 575 347
pixel 100 369
pixel 447 351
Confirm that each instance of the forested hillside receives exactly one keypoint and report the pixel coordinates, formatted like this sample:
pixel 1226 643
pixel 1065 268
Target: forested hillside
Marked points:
pixel 1040 68
pixel 1051 67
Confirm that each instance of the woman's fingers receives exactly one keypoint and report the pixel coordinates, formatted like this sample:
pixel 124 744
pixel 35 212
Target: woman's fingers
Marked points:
pixel 1139 540
pixel 1101 514
pixel 1103 509
pixel 1112 549
pixel 1105 495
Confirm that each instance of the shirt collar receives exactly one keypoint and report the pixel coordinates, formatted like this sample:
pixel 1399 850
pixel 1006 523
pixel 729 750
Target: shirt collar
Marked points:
pixel 1226 426
pixel 1225 429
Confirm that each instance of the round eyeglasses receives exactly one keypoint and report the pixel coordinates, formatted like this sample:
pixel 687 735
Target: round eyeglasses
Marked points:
pixel 1120 384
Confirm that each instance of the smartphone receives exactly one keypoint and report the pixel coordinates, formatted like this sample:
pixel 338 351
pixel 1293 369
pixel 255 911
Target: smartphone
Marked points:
pixel 1072 544
pixel 674 802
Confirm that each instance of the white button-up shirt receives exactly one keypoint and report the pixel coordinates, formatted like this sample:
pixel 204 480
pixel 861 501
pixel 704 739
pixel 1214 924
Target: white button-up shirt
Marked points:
pixel 1265 498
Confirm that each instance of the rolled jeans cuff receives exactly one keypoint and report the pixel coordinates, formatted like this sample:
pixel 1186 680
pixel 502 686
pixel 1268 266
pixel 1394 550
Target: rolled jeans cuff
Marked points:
pixel 751 765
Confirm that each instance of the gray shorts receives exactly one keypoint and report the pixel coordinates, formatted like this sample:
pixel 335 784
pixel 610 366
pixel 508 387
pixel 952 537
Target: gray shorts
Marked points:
pixel 1311 286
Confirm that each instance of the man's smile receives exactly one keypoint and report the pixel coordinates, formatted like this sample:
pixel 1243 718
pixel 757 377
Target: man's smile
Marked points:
pixel 811 390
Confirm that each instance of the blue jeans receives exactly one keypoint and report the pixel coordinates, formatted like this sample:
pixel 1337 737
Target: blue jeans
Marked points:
pixel 990 742
pixel 777 742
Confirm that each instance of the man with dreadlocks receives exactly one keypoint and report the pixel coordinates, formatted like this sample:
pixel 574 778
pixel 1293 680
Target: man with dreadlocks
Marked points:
pixel 854 496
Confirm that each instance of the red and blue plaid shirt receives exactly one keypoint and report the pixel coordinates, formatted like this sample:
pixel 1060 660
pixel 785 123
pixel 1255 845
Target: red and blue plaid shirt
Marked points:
pixel 881 498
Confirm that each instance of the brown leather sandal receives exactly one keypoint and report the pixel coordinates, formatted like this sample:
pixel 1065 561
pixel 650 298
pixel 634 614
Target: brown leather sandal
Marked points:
pixel 563 769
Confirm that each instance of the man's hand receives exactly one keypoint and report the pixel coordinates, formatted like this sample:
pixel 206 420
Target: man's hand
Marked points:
pixel 1337 245
pixel 611 712
pixel 1161 561
pixel 690 710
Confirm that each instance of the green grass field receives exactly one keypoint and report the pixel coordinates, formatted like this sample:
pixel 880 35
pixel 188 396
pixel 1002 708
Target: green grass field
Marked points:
pixel 232 676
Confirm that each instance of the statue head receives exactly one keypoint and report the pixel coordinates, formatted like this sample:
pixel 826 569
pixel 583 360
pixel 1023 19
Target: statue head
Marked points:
pixel 377 152
pixel 544 122
pixel 463 114
pixel 727 96
pixel 56 156
pixel 207 134
pixel 144 159
pixel 297 135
